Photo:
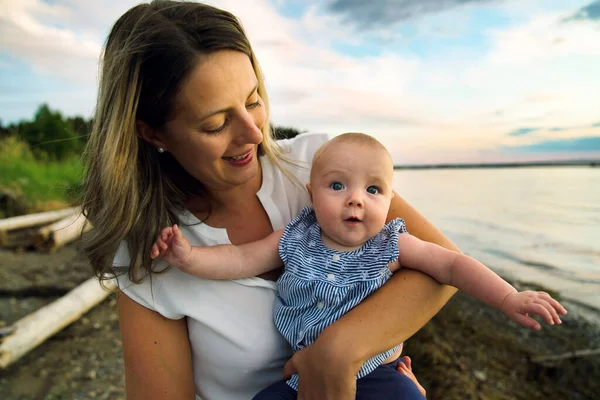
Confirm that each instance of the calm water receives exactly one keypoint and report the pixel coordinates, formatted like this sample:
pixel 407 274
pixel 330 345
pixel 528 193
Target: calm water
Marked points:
pixel 532 224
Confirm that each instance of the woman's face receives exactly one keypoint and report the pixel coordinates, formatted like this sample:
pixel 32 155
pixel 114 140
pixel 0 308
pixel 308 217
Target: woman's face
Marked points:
pixel 216 125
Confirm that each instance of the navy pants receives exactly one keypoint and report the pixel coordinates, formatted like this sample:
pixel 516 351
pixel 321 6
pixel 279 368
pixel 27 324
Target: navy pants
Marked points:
pixel 383 383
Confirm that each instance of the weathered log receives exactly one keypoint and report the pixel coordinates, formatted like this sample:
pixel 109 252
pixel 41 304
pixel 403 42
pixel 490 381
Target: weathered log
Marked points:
pixel 23 221
pixel 26 221
pixel 18 238
pixel 51 237
pixel 564 356
pixel 550 366
pixel 6 330
pixel 38 326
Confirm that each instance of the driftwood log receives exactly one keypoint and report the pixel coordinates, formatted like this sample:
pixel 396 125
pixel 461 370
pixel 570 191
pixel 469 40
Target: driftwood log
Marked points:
pixel 550 366
pixel 565 356
pixel 24 221
pixel 18 238
pixel 51 237
pixel 18 225
pixel 38 326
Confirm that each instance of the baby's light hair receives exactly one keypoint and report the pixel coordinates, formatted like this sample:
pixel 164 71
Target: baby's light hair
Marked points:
pixel 349 137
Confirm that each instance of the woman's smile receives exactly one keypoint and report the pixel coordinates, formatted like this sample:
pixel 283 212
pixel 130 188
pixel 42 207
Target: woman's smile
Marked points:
pixel 241 160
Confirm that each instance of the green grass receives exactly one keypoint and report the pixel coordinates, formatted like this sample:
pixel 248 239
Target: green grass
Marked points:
pixel 43 184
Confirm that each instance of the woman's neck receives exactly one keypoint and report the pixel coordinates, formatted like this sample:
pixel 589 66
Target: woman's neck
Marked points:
pixel 226 201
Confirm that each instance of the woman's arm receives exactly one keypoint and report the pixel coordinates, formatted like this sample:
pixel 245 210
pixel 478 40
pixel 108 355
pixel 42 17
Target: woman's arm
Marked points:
pixel 388 317
pixel 156 351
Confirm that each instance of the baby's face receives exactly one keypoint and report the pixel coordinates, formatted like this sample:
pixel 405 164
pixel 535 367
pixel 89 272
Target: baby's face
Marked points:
pixel 351 191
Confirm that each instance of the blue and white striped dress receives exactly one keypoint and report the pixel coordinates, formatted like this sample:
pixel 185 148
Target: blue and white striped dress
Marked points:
pixel 320 284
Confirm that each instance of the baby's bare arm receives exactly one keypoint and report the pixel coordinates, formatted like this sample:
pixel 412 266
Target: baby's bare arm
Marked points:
pixel 224 261
pixel 455 269
pixel 477 280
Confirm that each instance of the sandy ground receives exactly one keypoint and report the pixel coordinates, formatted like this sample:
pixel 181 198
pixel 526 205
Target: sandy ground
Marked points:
pixel 82 361
pixel 469 351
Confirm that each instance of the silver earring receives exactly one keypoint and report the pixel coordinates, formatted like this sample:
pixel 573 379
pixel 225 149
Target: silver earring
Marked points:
pixel 161 150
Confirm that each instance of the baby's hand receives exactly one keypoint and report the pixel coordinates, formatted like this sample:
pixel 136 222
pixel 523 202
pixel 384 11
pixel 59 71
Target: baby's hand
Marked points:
pixel 519 305
pixel 172 247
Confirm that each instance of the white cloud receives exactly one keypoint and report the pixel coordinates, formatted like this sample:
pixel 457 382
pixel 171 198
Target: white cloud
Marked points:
pixel 477 99
pixel 468 101
pixel 50 48
pixel 313 87
pixel 543 38
pixel 543 56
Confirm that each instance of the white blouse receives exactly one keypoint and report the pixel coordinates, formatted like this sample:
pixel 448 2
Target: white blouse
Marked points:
pixel 236 349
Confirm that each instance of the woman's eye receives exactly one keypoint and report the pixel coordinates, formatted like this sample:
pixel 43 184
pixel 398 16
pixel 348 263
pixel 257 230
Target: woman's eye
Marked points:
pixel 219 129
pixel 336 186
pixel 373 190
pixel 256 104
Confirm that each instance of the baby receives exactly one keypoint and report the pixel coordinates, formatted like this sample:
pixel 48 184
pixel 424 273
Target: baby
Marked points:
pixel 338 251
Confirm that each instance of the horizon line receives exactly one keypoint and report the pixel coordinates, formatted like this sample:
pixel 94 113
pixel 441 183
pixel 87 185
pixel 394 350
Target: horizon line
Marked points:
pixel 556 163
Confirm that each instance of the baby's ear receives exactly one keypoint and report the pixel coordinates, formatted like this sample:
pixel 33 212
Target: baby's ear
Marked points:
pixel 309 192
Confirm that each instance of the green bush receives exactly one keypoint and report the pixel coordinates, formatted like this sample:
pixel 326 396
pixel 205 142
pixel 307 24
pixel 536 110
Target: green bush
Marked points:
pixel 39 181
pixel 49 135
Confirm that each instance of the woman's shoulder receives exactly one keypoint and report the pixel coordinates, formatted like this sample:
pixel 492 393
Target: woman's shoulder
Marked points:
pixel 163 290
pixel 157 292
pixel 303 146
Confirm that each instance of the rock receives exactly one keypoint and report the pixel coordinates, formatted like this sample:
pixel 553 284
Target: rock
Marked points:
pixel 12 204
pixel 480 376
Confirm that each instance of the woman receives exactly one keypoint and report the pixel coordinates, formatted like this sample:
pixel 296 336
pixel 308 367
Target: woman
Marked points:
pixel 181 135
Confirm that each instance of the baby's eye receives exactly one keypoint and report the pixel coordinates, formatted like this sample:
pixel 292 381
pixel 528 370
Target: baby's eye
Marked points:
pixel 336 186
pixel 373 190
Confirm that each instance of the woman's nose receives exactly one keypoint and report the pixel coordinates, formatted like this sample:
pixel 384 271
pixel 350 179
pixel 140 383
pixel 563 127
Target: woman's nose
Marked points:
pixel 251 133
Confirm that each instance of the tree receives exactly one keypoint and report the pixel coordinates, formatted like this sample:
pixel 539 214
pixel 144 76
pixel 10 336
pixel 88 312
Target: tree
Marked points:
pixel 284 132
pixel 4 131
pixel 49 133
pixel 81 128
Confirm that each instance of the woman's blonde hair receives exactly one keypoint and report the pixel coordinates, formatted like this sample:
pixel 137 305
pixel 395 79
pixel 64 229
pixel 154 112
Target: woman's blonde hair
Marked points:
pixel 129 192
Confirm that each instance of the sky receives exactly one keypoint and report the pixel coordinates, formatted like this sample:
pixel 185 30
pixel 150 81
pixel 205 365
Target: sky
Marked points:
pixel 437 81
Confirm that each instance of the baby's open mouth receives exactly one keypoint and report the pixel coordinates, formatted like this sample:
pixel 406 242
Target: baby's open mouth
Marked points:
pixel 353 219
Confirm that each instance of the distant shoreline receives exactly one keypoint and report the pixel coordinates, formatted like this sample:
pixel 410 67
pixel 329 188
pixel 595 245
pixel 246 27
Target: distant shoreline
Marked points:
pixel 570 163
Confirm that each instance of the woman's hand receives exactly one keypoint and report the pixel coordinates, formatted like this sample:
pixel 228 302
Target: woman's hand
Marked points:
pixel 324 372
